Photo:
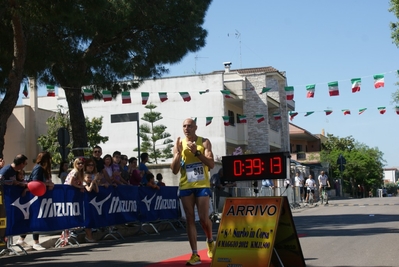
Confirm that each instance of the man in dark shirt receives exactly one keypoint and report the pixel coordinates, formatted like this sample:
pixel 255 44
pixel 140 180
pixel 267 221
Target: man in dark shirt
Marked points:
pixel 8 174
pixel 97 152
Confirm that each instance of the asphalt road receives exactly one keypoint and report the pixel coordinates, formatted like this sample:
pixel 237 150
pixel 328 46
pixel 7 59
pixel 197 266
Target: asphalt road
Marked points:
pixel 350 232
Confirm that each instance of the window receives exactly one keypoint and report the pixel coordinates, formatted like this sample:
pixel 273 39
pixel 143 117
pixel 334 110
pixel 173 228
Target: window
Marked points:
pixel 231 117
pixel 298 148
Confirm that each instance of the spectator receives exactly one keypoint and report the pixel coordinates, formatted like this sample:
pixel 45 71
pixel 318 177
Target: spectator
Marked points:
pixel 159 179
pixel 90 182
pixel 310 184
pixel 151 181
pixel 124 169
pixel 134 174
pixel 8 174
pixel 75 177
pixel 268 186
pixel 143 168
pixel 41 172
pixel 299 181
pixel 20 181
pixel 63 172
pixel 97 152
pixel 218 188
pixel 2 162
pixel 116 169
pixel 107 171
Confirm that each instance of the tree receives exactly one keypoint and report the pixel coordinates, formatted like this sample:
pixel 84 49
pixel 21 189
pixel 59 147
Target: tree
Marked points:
pixel 98 44
pixel 394 8
pixel 50 143
pixel 363 166
pixel 12 59
pixel 151 134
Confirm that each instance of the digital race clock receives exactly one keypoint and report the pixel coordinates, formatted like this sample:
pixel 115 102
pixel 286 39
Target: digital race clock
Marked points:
pixel 255 166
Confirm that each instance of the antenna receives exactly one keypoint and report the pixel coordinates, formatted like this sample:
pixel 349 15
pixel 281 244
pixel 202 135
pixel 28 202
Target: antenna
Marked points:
pixel 195 66
pixel 238 36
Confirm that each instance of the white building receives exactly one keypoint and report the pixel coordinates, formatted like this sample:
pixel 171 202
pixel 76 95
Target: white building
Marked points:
pixel 391 175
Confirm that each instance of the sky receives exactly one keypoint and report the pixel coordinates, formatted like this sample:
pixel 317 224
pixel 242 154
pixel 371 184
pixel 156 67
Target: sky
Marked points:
pixel 313 42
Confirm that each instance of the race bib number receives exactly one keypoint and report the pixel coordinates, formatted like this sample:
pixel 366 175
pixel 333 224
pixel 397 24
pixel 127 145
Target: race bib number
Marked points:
pixel 195 172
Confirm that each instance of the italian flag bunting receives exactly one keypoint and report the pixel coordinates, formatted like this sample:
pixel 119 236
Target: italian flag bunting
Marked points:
pixel 25 91
pixel 310 89
pixel 265 90
pixel 289 92
pixel 243 118
pixel 126 98
pixel 226 120
pixel 333 88
pixel 362 110
pixel 186 96
pixel 328 111
pixel 277 116
pixel 346 112
pixel 226 93
pixel 356 82
pixel 204 92
pixel 292 115
pixel 381 110
pixel 259 118
pixel 397 110
pixel 208 120
pixel 309 113
pixel 378 81
pixel 88 94
pixel 144 97
pixel 50 90
pixel 163 97
pixel 107 95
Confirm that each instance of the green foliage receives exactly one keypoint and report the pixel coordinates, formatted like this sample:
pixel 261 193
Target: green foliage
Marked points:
pixel 50 143
pixel 364 165
pixel 394 8
pixel 392 188
pixel 150 134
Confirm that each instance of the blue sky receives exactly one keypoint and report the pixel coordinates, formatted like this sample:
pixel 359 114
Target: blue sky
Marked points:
pixel 314 42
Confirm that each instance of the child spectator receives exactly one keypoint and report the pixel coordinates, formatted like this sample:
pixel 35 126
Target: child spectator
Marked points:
pixel 75 177
pixel 151 181
pixel 134 173
pixel 159 179
pixel 63 172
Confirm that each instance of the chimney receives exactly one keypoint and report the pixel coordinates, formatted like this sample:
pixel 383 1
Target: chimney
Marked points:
pixel 227 66
pixel 322 132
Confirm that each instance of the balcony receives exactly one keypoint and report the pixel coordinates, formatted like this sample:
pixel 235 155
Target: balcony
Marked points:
pixel 306 157
pixel 237 134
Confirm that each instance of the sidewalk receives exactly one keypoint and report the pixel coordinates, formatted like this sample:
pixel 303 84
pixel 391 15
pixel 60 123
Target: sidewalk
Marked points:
pixel 48 240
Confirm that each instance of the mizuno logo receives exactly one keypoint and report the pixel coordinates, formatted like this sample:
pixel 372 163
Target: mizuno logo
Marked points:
pixel 24 208
pixel 148 201
pixel 99 205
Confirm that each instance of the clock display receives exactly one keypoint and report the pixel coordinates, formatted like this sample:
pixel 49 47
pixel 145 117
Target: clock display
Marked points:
pixel 255 166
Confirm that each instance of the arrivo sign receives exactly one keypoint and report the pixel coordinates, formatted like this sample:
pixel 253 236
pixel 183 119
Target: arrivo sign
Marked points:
pixel 255 166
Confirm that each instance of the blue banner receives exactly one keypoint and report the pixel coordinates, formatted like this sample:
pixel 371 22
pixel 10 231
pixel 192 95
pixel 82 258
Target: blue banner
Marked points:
pixel 66 207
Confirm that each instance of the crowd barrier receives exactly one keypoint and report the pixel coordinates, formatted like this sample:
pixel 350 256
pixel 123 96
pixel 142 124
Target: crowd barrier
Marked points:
pixel 66 207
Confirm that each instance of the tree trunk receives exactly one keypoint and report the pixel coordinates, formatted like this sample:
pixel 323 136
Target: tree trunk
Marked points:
pixel 77 118
pixel 16 73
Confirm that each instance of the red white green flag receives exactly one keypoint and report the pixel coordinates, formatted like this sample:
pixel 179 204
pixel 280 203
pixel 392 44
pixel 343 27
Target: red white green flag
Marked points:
pixel 88 94
pixel 277 115
pixel 289 92
pixel 397 110
pixel 242 118
pixel 226 120
pixel 309 113
pixel 226 93
pixel 208 120
pixel 163 96
pixel 382 110
pixel 107 95
pixel 265 90
pixel 310 90
pixel 144 97
pixel 25 91
pixel 50 90
pixel 292 115
pixel 379 81
pixel 186 96
pixel 333 88
pixel 126 98
pixel 204 92
pixel 356 83
pixel 259 118
pixel 328 111
pixel 362 110
pixel 346 112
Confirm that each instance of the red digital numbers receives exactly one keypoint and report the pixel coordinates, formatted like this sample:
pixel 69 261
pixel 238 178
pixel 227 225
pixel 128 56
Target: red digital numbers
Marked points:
pixel 275 165
pixel 237 168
